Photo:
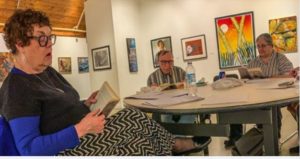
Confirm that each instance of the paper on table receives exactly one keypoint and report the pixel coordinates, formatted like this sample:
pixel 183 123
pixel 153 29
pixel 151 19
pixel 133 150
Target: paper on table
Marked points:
pixel 169 101
pixel 158 95
pixel 149 96
pixel 225 99
pixel 280 84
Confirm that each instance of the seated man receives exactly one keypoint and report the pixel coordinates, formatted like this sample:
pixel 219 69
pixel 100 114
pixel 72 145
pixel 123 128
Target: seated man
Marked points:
pixel 168 73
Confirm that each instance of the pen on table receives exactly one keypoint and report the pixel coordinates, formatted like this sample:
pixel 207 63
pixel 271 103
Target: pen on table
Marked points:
pixel 181 95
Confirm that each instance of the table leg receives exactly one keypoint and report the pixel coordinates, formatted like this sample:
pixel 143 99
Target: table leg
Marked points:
pixel 271 134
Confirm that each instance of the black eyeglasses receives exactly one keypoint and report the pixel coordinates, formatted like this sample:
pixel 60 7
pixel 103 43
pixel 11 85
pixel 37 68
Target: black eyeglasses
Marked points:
pixel 165 62
pixel 43 39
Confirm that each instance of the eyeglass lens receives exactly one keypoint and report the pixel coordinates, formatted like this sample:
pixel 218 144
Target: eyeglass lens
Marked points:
pixel 166 62
pixel 43 40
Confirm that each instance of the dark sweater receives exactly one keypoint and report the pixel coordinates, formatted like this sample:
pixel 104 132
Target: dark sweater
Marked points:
pixel 24 95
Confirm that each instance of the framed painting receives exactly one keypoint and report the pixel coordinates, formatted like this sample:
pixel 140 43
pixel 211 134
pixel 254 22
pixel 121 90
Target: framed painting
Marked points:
pixel 235 39
pixel 159 44
pixel 64 65
pixel 131 51
pixel 194 47
pixel 101 58
pixel 6 64
pixel 284 34
pixel 83 64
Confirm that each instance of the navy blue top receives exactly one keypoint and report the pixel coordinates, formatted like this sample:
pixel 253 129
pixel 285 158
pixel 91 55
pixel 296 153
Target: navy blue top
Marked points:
pixel 42 110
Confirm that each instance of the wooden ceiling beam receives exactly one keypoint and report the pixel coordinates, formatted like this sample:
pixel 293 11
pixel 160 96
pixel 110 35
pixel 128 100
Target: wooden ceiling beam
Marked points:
pixel 65 15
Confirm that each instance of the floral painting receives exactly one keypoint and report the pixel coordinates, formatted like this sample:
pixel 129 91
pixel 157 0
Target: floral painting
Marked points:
pixel 235 38
pixel 6 64
pixel 284 34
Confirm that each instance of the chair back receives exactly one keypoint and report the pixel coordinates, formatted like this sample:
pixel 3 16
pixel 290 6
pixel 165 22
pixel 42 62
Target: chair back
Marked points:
pixel 228 76
pixel 7 143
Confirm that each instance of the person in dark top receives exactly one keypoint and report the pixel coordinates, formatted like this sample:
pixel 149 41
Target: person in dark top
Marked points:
pixel 45 114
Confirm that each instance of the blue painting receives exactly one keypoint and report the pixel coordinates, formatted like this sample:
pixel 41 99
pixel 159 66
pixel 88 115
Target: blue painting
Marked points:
pixel 83 64
pixel 132 59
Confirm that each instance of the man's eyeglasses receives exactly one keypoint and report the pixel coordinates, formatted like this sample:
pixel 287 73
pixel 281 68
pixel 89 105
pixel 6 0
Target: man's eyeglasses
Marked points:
pixel 164 62
pixel 43 39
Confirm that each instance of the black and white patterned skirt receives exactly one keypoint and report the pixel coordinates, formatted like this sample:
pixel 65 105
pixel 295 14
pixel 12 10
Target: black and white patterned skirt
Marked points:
pixel 128 132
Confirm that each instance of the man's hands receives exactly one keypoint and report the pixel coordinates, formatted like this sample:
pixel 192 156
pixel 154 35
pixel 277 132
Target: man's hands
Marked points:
pixel 91 123
pixel 92 99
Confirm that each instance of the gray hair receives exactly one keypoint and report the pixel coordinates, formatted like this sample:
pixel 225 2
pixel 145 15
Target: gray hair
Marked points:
pixel 267 37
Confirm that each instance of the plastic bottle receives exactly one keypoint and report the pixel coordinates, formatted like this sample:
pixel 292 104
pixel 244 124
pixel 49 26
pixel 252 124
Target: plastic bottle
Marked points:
pixel 191 79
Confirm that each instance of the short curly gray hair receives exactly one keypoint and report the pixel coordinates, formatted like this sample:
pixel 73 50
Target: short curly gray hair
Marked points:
pixel 20 24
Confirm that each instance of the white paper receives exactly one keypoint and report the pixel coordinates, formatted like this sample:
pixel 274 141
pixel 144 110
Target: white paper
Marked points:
pixel 280 84
pixel 225 99
pixel 169 101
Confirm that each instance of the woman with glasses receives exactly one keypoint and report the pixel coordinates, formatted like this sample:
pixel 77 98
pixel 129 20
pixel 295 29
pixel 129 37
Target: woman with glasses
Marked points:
pixel 44 112
pixel 272 64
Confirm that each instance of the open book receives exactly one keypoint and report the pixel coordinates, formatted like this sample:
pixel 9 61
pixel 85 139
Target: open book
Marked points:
pixel 250 73
pixel 168 86
pixel 107 99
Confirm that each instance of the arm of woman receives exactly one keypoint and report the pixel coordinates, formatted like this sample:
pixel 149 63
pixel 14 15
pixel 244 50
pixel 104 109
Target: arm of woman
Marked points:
pixel 30 142
pixel 285 65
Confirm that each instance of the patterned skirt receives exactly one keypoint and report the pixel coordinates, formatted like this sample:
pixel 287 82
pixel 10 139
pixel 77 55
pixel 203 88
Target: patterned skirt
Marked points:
pixel 127 133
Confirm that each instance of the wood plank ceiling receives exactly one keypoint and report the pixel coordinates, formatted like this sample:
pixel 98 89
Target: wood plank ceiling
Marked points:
pixel 66 16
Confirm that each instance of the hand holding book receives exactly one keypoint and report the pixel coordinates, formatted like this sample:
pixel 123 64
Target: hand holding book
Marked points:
pixel 107 99
pixel 92 99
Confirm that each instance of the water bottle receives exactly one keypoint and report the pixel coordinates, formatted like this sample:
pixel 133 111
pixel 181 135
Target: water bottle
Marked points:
pixel 191 79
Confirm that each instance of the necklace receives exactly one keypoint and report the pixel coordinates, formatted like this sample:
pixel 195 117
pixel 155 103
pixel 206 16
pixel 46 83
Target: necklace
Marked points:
pixel 49 86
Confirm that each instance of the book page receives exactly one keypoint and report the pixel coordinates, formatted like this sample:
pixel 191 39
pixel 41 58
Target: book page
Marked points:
pixel 256 72
pixel 106 99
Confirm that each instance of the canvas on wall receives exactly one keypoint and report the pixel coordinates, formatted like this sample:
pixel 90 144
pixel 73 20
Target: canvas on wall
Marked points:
pixel 163 43
pixel 6 64
pixel 131 51
pixel 235 39
pixel 83 64
pixel 194 47
pixel 284 34
pixel 101 58
pixel 64 65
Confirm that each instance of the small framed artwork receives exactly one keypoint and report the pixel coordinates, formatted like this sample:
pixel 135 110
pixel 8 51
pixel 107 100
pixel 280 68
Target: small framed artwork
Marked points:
pixel 159 44
pixel 235 39
pixel 64 65
pixel 101 58
pixel 83 64
pixel 131 51
pixel 194 47
pixel 6 64
pixel 284 34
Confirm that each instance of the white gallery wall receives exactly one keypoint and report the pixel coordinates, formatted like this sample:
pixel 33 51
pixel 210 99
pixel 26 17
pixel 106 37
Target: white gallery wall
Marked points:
pixel 145 20
pixel 68 47
pixel 74 48
pixel 110 22
pixel 99 24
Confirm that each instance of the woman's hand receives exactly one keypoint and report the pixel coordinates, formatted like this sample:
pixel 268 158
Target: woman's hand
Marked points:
pixel 92 99
pixel 91 123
